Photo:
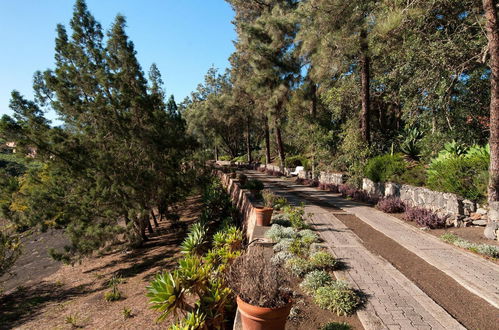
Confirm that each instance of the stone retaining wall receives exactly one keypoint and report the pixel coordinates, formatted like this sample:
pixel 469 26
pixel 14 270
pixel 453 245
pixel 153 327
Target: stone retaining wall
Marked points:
pixel 332 178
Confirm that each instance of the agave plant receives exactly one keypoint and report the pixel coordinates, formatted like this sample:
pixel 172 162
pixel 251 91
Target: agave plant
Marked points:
pixel 193 320
pixel 410 144
pixel 215 302
pixel 196 240
pixel 230 236
pixel 167 294
pixel 194 274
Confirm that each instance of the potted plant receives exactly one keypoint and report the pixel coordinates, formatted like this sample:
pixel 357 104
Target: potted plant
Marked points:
pixel 263 298
pixel 254 186
pixel 242 179
pixel 264 214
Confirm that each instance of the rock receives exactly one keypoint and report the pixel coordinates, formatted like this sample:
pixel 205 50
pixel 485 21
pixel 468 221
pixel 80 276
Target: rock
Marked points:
pixel 481 211
pixel 468 207
pixel 480 222
pixel 475 216
pixel 490 230
pixel 493 211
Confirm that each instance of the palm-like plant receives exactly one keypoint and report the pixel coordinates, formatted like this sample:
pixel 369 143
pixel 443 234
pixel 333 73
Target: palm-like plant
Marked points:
pixel 167 294
pixel 196 240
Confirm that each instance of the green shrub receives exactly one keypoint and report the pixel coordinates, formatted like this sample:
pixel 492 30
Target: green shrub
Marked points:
pixel 299 247
pixel 196 240
pixel 294 161
pixel 308 236
pixel 337 297
pixel 254 185
pixel 385 168
pixel 225 158
pixel 280 203
pixel 277 232
pixel 414 175
pixel 463 174
pixel 295 215
pixel 281 257
pixel 485 249
pixel 323 260
pixel 336 326
pixel 314 280
pixel 298 266
pixel 283 245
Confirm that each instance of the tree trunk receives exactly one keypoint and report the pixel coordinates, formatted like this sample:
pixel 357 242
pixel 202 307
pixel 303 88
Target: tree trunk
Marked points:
pixel 267 141
pixel 365 77
pixel 489 7
pixel 280 146
pixel 154 219
pixel 248 140
pixel 149 226
pixel 313 92
pixel 216 153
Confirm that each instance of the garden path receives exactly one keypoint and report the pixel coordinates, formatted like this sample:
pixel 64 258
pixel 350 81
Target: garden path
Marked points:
pixel 412 280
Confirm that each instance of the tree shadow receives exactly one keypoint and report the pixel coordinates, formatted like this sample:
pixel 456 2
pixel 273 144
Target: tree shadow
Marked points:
pixel 26 303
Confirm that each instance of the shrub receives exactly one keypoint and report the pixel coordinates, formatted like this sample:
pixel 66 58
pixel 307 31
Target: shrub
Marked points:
pixel 391 205
pixel 299 247
pixel 225 158
pixel 254 185
pixel 485 249
pixel 276 233
pixel 298 266
pixel 258 281
pixel 462 174
pixel 423 217
pixel 309 236
pixel 415 175
pixel 196 240
pixel 314 280
pixel 283 245
pixel 281 219
pixel 337 297
pixel 243 178
pixel 281 257
pixel 280 202
pixel 295 215
pixel 336 326
pixel 385 168
pixel 323 260
pixel 269 198
pixel 294 161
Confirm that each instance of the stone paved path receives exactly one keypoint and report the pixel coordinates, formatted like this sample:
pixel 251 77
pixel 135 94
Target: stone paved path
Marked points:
pixel 394 301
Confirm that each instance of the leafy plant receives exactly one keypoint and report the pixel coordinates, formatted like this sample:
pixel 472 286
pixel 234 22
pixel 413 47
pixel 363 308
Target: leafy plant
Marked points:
pixel 485 249
pixel 385 168
pixel 337 297
pixel 308 236
pixel 196 240
pixel 254 184
pixel 314 280
pixel 336 326
pixel 424 217
pixel 127 312
pixel 280 203
pixel 299 247
pixel 193 320
pixel 391 205
pixel 167 294
pixel 323 260
pixel 269 198
pixel 281 257
pixel 298 266
pixel 113 295
pixel 410 144
pixel 278 232
pixel 283 245
pixel 295 215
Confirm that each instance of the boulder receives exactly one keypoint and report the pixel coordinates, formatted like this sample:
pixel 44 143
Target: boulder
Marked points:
pixel 480 222
pixel 493 211
pixel 475 216
pixel 481 211
pixel 490 230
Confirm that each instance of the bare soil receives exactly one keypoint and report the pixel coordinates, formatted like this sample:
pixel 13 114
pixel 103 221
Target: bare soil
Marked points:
pixel 73 296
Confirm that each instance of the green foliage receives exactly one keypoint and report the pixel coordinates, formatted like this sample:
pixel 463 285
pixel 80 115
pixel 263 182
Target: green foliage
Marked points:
pixel 296 216
pixel 127 312
pixel 9 249
pixel 464 174
pixel 280 203
pixel 385 168
pixel 113 295
pixel 196 240
pixel 485 249
pixel 314 280
pixel 254 185
pixel 337 297
pixel 167 294
pixel 278 232
pixel 336 326
pixel 323 260
pixel 410 144
pixel 269 198
pixel 298 266
pixel 294 161
pixel 192 321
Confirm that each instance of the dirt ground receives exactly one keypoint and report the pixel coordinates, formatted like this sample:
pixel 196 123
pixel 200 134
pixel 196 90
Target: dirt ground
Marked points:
pixel 73 296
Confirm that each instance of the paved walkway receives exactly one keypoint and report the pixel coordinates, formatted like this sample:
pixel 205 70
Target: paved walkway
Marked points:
pixel 394 302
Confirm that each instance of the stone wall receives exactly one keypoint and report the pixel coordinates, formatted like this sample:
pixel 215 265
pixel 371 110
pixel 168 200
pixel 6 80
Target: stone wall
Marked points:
pixel 332 178
pixel 240 198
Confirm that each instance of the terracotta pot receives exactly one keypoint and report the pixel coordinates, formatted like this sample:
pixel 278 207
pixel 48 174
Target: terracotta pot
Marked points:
pixel 262 318
pixel 263 215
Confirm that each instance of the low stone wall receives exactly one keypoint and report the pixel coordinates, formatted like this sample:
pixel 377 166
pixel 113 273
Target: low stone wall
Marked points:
pixel 332 178
pixel 241 199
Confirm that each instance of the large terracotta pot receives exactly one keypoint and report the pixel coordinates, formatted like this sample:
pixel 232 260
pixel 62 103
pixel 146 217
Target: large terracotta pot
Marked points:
pixel 262 318
pixel 263 215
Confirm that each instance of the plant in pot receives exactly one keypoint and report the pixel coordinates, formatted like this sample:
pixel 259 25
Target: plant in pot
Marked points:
pixel 264 214
pixel 263 298
pixel 254 186
pixel 242 178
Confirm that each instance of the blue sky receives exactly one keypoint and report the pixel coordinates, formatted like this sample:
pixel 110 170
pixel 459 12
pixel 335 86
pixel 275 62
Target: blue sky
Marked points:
pixel 184 38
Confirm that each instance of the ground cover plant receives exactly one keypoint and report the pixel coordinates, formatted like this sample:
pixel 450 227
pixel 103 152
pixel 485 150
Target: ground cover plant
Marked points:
pixel 488 250
pixel 424 217
pixel 391 205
